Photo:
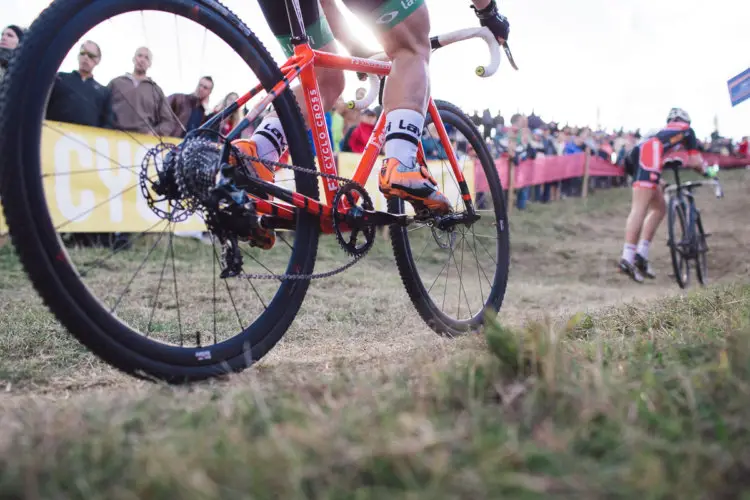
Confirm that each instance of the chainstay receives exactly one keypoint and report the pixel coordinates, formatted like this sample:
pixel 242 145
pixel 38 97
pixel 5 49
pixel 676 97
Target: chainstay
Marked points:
pixel 299 277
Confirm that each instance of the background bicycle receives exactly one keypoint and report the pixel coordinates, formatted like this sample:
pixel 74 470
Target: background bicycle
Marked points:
pixel 687 239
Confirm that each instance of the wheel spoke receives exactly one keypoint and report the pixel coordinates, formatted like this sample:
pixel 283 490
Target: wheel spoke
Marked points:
pixel 485 243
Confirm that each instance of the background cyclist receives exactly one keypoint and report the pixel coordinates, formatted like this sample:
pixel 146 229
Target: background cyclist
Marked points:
pixel 647 209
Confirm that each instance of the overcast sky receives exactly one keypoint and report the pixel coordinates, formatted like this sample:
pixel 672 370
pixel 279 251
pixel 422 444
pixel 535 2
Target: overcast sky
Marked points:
pixel 631 59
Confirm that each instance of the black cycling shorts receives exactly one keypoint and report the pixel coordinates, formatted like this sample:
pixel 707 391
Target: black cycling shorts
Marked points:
pixel 382 14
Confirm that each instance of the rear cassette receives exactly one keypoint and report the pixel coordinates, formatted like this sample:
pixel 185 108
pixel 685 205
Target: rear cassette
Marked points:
pixel 157 183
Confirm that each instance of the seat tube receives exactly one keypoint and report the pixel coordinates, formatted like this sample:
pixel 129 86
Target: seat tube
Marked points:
pixel 296 22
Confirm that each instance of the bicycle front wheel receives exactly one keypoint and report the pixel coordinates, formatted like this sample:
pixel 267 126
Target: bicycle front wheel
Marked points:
pixel 454 277
pixel 701 262
pixel 120 303
pixel 678 242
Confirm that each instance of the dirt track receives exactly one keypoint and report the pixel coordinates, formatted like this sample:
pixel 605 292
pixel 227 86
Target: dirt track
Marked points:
pixel 564 259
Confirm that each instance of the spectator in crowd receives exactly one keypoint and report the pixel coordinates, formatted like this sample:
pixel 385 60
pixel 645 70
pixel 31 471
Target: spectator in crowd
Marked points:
pixel 361 133
pixel 433 148
pixel 138 102
pixel 476 119
pixel 337 127
pixel 228 122
pixel 519 150
pixel 9 40
pixel 499 122
pixel 190 109
pixel 743 150
pixel 139 105
pixel 351 120
pixel 77 97
pixel 488 123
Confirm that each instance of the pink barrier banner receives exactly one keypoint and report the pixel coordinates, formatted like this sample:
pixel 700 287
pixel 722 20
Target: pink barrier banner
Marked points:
pixel 546 169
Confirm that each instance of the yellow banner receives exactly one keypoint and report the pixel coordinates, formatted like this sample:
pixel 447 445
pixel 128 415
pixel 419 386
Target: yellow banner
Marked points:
pixel 91 180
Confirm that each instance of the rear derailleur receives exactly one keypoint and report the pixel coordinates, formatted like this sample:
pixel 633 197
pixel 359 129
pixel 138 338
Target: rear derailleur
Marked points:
pixel 198 175
pixel 231 216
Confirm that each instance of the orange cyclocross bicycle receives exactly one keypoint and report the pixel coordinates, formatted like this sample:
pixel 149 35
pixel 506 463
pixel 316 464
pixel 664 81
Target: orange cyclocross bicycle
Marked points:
pixel 114 298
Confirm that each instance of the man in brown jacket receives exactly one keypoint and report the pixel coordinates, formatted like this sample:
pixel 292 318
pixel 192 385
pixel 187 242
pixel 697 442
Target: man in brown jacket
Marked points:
pixel 138 102
pixel 190 109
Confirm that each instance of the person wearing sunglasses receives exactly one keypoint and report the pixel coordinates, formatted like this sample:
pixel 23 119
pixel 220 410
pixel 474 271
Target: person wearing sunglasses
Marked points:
pixel 77 97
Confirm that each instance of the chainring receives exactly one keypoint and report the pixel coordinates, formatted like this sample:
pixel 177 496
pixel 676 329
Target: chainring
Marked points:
pixel 353 219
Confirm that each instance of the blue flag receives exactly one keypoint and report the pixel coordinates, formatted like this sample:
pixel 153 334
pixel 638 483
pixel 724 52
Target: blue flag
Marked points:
pixel 739 87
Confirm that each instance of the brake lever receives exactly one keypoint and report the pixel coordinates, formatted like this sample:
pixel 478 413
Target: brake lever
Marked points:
pixel 510 56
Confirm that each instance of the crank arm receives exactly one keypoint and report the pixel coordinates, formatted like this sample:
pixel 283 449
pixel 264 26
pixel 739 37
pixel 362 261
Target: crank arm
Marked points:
pixel 377 219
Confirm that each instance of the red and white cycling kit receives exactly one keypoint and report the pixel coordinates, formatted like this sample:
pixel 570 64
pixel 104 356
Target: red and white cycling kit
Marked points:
pixel 645 160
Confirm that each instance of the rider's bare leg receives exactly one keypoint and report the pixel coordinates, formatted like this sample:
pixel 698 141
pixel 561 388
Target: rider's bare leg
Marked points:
pixel 407 45
pixel 405 99
pixel 638 209
pixel 656 210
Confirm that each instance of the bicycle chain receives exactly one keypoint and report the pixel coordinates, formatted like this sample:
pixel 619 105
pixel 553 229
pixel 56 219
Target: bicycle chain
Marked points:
pixel 314 173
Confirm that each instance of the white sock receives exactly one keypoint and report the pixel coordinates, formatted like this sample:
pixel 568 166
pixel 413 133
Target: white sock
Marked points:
pixel 403 131
pixel 643 248
pixel 270 139
pixel 628 252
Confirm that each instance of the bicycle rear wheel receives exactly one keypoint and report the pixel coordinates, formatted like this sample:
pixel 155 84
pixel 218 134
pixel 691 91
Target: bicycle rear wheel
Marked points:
pixel 678 241
pixel 484 247
pixel 94 320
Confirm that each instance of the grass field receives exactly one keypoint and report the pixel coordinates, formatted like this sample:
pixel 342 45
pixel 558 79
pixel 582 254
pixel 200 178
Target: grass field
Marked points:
pixel 587 385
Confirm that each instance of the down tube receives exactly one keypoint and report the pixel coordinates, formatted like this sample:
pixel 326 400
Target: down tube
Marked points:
pixel 323 146
pixel 445 141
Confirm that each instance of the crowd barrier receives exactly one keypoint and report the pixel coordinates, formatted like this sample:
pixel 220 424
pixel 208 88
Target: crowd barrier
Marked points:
pixel 88 190
pixel 101 196
pixel 546 169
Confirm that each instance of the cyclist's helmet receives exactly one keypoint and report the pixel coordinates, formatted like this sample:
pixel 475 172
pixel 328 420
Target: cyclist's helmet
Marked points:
pixel 678 114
